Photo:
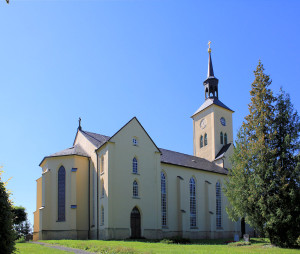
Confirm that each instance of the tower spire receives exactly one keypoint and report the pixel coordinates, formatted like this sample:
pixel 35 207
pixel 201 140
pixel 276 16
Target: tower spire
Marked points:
pixel 210 72
pixel 211 83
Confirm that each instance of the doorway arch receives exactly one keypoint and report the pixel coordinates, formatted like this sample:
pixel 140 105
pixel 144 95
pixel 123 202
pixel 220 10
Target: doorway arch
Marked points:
pixel 135 223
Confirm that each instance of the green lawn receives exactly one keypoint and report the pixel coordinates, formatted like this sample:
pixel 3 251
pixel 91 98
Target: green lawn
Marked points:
pixel 201 246
pixel 29 248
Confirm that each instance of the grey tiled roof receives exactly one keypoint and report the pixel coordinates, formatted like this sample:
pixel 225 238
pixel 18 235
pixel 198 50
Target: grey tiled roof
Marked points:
pixel 74 150
pixel 223 151
pixel 96 139
pixel 209 102
pixel 189 161
pixel 167 156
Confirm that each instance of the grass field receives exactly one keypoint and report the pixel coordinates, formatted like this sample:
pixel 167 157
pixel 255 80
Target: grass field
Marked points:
pixel 201 246
pixel 28 248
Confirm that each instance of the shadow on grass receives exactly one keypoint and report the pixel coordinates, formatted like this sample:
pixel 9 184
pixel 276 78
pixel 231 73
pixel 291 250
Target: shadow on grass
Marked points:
pixel 182 241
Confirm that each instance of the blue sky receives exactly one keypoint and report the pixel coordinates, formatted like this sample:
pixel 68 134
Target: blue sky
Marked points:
pixel 107 61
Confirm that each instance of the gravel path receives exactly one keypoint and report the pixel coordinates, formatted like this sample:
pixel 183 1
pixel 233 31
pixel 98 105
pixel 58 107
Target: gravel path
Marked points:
pixel 77 251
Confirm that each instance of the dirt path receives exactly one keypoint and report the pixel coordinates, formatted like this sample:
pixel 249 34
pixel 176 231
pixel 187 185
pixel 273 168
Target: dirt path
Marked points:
pixel 59 247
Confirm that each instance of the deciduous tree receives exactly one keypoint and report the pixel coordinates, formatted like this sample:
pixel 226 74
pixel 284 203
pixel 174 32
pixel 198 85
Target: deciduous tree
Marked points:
pixel 7 235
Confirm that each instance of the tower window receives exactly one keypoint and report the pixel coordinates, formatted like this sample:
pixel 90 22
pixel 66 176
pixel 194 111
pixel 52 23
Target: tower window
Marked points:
pixel 205 139
pixel 225 139
pixel 134 166
pixel 135 189
pixel 221 138
pixel 201 141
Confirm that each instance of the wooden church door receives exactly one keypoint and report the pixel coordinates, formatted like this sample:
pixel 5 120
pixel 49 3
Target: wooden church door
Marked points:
pixel 135 223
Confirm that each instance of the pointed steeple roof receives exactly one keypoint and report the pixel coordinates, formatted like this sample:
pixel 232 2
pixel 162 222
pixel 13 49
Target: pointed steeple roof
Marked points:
pixel 211 82
pixel 210 72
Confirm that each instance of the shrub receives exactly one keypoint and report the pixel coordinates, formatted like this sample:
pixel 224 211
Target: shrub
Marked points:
pixel 21 240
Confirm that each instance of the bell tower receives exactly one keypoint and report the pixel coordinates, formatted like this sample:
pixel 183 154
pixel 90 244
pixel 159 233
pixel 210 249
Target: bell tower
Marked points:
pixel 211 83
pixel 212 123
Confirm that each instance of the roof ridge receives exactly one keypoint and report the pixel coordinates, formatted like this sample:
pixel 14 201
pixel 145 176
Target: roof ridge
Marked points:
pixel 87 133
pixel 96 133
pixel 184 154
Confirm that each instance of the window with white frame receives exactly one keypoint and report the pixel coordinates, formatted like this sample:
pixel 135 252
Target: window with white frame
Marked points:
pixel 218 206
pixel 134 142
pixel 192 202
pixel 134 166
pixel 102 215
pixel 163 200
pixel 135 190
pixel 102 189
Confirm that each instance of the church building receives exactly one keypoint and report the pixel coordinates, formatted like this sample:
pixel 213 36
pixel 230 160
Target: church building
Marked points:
pixel 125 186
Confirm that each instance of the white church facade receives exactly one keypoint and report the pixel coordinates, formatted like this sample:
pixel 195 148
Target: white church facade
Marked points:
pixel 126 186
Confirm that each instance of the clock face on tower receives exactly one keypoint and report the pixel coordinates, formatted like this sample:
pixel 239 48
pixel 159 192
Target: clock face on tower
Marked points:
pixel 223 121
pixel 203 123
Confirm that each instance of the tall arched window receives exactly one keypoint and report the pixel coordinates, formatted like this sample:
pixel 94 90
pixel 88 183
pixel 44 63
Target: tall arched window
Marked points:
pixel 192 202
pixel 201 141
pixel 135 189
pixel 102 215
pixel 205 139
pixel 225 139
pixel 102 189
pixel 61 201
pixel 102 165
pixel 163 200
pixel 134 166
pixel 221 138
pixel 218 205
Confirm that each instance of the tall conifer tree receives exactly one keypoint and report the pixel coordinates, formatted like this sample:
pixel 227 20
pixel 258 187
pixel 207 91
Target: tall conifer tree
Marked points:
pixel 264 181
pixel 247 189
pixel 283 217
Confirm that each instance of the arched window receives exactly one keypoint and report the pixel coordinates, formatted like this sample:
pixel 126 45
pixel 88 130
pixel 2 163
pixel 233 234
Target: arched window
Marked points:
pixel 102 215
pixel 102 164
pixel 102 189
pixel 192 202
pixel 205 139
pixel 225 139
pixel 135 189
pixel 163 200
pixel 201 141
pixel 221 138
pixel 61 202
pixel 134 166
pixel 218 205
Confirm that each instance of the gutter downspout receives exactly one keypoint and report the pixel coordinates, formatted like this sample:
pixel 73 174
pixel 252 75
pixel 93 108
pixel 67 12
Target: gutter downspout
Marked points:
pixel 89 199
pixel 97 197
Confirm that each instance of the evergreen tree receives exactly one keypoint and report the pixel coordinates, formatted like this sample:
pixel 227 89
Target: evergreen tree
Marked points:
pixel 283 217
pixel 7 235
pixel 247 188
pixel 263 183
